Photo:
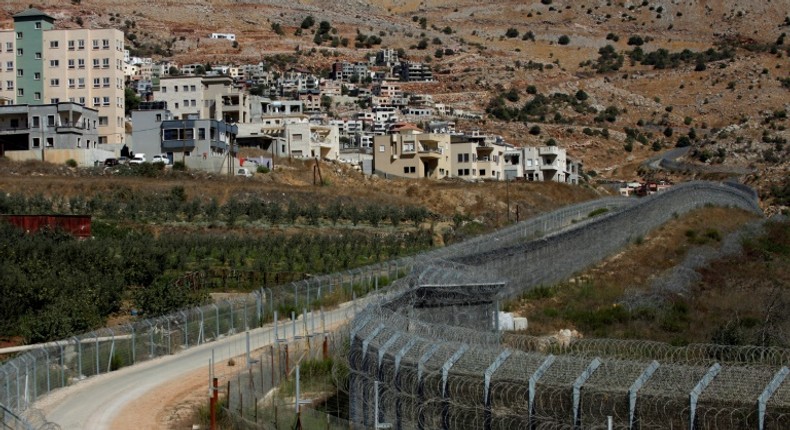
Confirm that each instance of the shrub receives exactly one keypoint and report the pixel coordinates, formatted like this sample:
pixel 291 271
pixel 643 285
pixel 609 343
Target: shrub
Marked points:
pixel 511 33
pixel 534 130
pixel 71 162
pixel 564 40
pixel 180 166
pixel 262 169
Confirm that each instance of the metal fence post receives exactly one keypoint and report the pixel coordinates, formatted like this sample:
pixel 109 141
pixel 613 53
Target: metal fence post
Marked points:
pixel 134 349
pixel 697 391
pixel 186 328
pixel 151 339
pixel 201 329
pixel 62 365
pixel 79 357
pixel 98 364
pixel 216 320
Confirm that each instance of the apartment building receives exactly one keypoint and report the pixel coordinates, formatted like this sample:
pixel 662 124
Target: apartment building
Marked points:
pixel 43 65
pixel 204 97
pixel 477 157
pixel 43 127
pixel 410 153
pixel 541 163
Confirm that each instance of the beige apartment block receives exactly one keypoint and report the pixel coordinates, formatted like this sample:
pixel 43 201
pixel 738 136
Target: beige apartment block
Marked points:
pixel 410 153
pixel 477 159
pixel 204 97
pixel 43 65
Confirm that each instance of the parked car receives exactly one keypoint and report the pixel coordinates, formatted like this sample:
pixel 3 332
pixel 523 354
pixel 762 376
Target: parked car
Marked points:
pixel 243 171
pixel 123 160
pixel 137 159
pixel 161 158
pixel 109 162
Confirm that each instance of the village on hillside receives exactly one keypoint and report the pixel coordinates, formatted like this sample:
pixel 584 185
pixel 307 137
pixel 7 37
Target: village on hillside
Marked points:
pixel 79 95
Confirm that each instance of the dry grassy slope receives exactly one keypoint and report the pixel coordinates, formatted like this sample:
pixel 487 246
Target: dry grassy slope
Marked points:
pixel 470 79
pixel 294 181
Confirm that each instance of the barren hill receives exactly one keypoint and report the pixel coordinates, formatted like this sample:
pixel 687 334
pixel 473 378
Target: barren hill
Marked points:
pixel 712 74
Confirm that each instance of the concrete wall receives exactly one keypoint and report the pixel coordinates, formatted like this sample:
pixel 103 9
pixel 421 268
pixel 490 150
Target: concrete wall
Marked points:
pixel 83 157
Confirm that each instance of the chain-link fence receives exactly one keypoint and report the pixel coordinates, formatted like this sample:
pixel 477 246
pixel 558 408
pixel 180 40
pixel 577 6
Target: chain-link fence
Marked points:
pixel 535 251
pixel 416 361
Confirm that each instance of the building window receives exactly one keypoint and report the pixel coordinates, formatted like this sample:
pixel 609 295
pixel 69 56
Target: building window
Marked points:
pixel 81 82
pixel 54 101
pixel 18 34
pixel 36 142
pixel 36 96
pixel 50 142
pixel 38 26
pixel 102 140
pixel 36 122
pixel 81 63
pixel 96 82
pixel 409 169
pixel 176 105
pixel 105 43
pixel 482 172
pixel 164 89
pixel 9 47
pixel 19 52
pixel 53 44
pixel 80 44
pixel 96 101
pixel 82 100
pixel 106 63
pixel 50 120
pixel 201 133
pixel 37 76
pixel 71 82
pixel 71 45
pixel 297 137
pixel 103 121
pixel 193 102
pixel 460 171
pixel 95 63
pixel 192 88
pixel 71 63
pixel 186 87
pixel 54 82
pixel 105 101
pixel 38 55
pixel 79 142
pixel 95 43
pixel 54 63
pixel 159 117
pixel 175 88
pixel 9 85
pixel 106 82
pixel 466 172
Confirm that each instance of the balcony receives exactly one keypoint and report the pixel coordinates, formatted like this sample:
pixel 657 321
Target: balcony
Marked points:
pixel 430 153
pixel 14 130
pixel 67 127
pixel 550 166
pixel 179 145
pixel 548 150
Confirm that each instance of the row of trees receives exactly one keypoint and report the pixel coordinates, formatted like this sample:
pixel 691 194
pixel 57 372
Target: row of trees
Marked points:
pixel 53 285
pixel 175 206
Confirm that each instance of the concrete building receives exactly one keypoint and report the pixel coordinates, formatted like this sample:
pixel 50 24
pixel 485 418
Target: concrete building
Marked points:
pixel 43 65
pixel 226 36
pixel 204 97
pixel 292 136
pixel 413 72
pixel 410 153
pixel 477 157
pixel 63 125
pixel 542 163
pixel 200 143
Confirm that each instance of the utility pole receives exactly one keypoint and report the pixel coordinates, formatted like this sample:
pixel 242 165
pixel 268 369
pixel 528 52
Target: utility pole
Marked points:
pixel 507 194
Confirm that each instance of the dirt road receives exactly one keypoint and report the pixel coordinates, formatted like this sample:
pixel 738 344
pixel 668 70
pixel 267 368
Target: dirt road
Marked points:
pixel 144 396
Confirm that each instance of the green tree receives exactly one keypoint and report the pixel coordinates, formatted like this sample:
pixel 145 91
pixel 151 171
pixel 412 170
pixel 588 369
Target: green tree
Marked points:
pixel 307 22
pixel 131 100
pixel 564 40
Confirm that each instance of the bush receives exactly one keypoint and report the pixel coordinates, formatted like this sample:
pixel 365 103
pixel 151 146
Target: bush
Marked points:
pixel 180 166
pixel 71 162
pixel 564 40
pixel 262 169
pixel 511 33
pixel 534 130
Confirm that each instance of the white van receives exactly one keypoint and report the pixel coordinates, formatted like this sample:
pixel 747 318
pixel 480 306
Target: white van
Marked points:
pixel 243 171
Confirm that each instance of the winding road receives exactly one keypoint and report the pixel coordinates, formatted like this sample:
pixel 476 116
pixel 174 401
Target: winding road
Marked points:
pixel 97 402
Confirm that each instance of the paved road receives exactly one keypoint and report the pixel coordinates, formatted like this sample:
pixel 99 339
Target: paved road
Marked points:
pixel 94 403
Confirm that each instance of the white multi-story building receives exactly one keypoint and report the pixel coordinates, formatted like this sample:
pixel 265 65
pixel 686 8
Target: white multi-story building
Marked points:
pixel 43 65
pixel 541 163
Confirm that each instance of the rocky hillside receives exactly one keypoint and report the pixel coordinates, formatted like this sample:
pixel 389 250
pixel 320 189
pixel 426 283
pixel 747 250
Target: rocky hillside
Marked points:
pixel 616 81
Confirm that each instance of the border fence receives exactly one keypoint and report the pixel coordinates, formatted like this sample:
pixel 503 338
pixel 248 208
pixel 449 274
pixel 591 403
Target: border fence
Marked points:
pixel 425 370
pixel 538 250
